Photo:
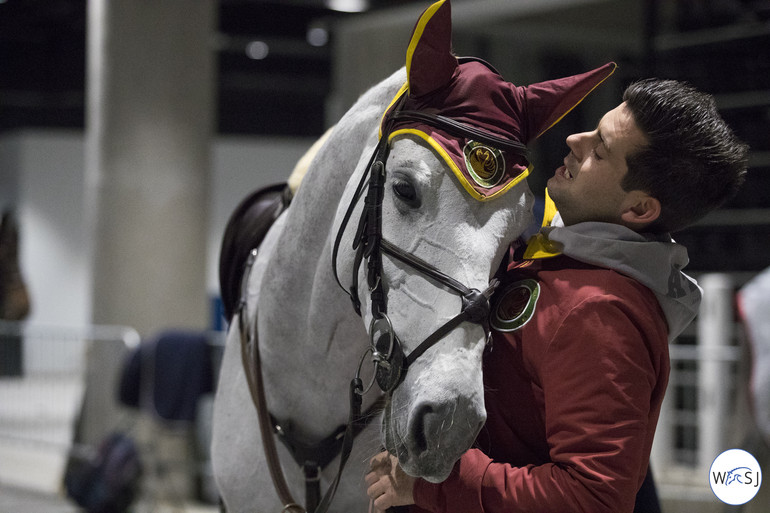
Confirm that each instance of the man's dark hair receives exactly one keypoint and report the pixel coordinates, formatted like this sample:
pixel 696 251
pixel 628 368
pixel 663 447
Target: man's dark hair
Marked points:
pixel 693 162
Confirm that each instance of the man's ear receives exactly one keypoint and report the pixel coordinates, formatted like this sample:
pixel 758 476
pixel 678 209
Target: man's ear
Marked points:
pixel 640 210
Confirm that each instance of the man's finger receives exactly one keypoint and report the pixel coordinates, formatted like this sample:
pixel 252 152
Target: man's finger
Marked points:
pixel 376 489
pixel 372 492
pixel 383 502
pixel 381 460
pixel 371 478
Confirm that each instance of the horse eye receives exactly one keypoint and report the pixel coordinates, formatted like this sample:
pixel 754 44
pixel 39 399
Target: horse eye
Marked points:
pixel 405 191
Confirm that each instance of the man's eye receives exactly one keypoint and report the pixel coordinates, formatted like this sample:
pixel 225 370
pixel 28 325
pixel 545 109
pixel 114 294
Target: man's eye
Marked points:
pixel 596 155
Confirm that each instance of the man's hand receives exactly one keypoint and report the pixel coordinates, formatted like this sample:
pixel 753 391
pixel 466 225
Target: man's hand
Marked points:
pixel 388 485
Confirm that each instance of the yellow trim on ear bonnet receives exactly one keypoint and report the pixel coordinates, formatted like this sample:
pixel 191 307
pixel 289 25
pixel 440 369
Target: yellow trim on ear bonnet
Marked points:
pixel 471 93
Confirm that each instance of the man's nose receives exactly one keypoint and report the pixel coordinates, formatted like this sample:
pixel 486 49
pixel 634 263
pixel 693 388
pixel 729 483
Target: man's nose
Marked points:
pixel 575 144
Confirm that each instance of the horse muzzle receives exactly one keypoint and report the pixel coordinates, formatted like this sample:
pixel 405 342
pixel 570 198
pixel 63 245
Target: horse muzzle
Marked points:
pixel 434 436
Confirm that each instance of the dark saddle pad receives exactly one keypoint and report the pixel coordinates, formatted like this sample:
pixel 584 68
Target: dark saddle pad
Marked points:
pixel 245 230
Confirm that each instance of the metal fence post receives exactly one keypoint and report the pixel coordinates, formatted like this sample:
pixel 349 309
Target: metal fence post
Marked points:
pixel 715 330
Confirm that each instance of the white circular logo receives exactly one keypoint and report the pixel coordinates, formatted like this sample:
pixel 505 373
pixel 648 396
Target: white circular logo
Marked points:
pixel 735 477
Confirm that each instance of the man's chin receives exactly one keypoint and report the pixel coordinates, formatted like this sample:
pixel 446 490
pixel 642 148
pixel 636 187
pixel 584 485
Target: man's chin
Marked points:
pixel 554 186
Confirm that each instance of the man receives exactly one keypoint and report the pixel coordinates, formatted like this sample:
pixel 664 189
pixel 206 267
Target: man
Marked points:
pixel 579 366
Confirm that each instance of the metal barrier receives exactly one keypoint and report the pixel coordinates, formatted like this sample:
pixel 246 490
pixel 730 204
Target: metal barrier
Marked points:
pixel 702 394
pixel 41 395
pixel 38 408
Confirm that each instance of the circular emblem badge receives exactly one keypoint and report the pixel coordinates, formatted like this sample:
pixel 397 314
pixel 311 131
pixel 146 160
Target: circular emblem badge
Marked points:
pixel 515 306
pixel 485 164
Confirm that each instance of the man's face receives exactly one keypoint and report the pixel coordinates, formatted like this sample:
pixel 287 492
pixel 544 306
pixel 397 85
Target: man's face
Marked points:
pixel 587 187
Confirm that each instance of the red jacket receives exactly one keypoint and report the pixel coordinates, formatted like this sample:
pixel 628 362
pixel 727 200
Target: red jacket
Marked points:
pixel 572 396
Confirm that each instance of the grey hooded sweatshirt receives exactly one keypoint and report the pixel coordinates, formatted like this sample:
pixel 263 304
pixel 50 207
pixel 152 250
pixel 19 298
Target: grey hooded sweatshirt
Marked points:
pixel 656 261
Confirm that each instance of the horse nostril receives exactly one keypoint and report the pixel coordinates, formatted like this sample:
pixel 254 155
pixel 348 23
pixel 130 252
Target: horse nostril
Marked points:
pixel 430 427
pixel 421 421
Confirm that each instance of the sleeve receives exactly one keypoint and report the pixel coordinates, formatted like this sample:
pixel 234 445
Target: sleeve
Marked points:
pixel 597 376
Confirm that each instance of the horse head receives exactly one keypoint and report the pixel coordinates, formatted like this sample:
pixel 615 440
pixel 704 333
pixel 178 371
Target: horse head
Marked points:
pixel 446 195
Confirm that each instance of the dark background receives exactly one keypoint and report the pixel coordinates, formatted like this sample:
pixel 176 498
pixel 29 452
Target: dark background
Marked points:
pixel 721 46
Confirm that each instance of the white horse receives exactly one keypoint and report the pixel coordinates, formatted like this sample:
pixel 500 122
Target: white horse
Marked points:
pixel 454 197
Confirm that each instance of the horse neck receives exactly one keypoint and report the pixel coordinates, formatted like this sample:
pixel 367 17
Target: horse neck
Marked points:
pixel 310 358
pixel 313 343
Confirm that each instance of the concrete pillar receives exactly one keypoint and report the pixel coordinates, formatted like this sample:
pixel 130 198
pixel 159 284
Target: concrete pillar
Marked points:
pixel 149 123
pixel 150 118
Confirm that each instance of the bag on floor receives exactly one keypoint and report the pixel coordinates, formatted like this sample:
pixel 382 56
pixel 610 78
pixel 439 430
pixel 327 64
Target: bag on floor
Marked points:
pixel 108 481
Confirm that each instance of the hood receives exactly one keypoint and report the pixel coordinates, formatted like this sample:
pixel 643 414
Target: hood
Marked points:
pixel 655 261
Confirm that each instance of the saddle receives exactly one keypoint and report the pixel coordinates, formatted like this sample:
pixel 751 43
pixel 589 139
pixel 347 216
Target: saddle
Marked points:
pixel 245 230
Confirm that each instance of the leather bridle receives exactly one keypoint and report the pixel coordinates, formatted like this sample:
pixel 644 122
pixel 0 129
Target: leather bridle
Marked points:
pixel 390 361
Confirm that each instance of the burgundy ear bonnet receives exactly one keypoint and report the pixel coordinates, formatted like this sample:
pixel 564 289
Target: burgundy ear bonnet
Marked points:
pixel 472 93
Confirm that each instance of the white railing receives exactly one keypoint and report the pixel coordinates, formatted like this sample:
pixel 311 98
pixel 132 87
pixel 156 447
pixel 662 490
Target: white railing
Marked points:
pixel 702 395
pixel 41 399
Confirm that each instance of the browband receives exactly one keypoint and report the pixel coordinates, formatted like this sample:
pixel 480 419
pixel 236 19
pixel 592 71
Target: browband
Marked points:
pixel 461 130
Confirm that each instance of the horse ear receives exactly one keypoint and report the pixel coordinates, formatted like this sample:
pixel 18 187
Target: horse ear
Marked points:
pixel 548 102
pixel 429 60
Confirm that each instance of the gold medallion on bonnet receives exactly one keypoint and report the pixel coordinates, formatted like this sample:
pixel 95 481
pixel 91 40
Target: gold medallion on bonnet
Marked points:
pixel 485 164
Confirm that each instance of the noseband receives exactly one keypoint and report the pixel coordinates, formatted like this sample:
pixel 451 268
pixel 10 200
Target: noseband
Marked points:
pixel 391 364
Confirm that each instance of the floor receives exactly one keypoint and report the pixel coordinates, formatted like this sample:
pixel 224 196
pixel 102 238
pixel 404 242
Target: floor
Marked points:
pixel 20 500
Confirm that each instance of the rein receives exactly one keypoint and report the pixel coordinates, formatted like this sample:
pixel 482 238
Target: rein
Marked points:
pixel 253 372
pixel 313 458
